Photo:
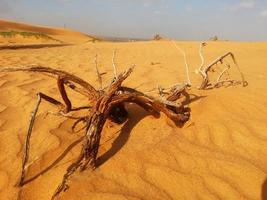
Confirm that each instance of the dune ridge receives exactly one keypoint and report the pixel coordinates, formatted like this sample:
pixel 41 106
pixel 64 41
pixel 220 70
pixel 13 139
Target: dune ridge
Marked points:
pixel 60 34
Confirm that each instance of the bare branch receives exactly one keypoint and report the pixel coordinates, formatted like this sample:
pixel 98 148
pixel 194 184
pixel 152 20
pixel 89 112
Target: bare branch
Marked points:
pixel 98 73
pixel 219 60
pixel 27 142
pixel 222 73
pixel 62 91
pixel 201 46
pixel 88 89
pixel 185 61
pixel 114 65
pixel 204 72
pixel 115 97
pixel 109 103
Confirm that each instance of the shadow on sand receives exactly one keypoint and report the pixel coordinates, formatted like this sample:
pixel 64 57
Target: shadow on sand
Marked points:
pixel 136 114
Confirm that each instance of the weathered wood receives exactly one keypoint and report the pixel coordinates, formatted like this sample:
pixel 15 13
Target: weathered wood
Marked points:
pixel 89 90
pixel 108 103
pixel 27 142
pixel 62 91
pixel 205 72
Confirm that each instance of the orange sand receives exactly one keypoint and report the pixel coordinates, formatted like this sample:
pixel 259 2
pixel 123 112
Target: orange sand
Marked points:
pixel 221 153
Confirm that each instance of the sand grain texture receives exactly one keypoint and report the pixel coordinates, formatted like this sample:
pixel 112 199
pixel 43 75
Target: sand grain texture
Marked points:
pixel 221 153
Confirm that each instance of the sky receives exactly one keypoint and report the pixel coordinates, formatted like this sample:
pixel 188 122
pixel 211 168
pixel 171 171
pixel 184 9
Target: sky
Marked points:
pixel 177 19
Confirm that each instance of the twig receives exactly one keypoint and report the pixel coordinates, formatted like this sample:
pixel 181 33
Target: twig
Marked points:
pixel 204 72
pixel 222 73
pixel 60 113
pixel 114 65
pixel 30 163
pixel 244 82
pixel 88 89
pixel 169 103
pixel 203 44
pixel 62 91
pixel 27 141
pixel 98 73
pixel 219 60
pixel 160 90
pixel 220 83
pixel 185 61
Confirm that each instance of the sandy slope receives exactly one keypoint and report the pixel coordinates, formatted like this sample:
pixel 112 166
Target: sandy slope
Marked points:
pixel 221 153
pixel 64 35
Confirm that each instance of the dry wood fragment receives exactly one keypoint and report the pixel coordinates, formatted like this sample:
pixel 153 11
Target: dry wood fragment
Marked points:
pixel 204 71
pixel 27 142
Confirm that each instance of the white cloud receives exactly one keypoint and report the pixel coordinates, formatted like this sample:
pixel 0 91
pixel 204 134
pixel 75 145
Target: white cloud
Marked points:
pixel 146 4
pixel 157 12
pixel 189 9
pixel 243 4
pixel 247 4
pixel 263 13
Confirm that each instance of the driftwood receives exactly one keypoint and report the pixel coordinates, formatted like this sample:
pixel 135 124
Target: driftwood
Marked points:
pixel 204 71
pixel 103 104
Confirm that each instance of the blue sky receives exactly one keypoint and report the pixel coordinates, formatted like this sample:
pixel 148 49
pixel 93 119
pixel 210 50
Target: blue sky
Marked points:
pixel 178 19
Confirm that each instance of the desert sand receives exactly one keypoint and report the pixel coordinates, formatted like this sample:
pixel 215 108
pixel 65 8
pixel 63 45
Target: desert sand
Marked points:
pixel 220 153
pixel 61 35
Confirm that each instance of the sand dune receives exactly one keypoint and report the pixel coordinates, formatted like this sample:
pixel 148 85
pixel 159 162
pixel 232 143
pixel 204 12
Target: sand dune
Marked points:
pixel 63 35
pixel 221 153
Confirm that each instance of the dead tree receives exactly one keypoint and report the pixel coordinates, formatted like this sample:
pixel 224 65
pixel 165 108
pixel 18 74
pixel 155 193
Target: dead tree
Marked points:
pixel 205 70
pixel 103 104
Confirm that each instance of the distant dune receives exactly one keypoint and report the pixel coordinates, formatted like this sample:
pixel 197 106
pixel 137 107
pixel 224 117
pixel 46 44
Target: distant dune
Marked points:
pixel 58 34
